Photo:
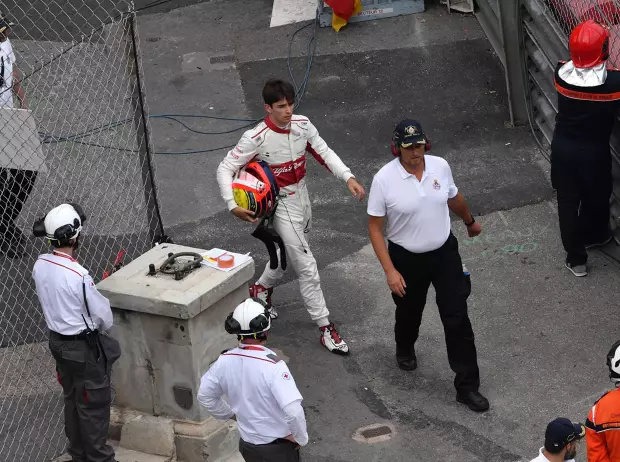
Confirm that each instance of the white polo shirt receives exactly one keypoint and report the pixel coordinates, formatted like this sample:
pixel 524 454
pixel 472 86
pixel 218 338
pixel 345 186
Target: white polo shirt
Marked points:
pixel 259 388
pixel 541 457
pixel 7 59
pixel 416 212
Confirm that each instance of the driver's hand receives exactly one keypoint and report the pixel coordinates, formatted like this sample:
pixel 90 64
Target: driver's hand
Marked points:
pixel 244 214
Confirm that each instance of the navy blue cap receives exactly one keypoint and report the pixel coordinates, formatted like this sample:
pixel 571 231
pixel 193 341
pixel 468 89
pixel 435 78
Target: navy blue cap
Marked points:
pixel 408 132
pixel 560 432
pixel 5 23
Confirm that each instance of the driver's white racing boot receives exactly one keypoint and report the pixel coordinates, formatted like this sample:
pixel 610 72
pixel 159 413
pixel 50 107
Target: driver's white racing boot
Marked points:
pixel 331 340
pixel 264 294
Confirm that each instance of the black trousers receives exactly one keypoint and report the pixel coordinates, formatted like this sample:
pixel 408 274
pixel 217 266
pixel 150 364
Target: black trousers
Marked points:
pixel 88 398
pixel 442 268
pixel 280 450
pixel 15 187
pixel 582 179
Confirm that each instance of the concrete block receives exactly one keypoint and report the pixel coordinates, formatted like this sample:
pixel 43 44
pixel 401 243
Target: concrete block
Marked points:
pixel 208 441
pixel 148 434
pixel 127 455
pixel 162 353
pixel 212 446
pixel 133 289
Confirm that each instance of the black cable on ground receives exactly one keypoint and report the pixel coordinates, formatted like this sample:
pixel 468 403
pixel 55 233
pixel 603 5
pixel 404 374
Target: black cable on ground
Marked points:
pixel 145 126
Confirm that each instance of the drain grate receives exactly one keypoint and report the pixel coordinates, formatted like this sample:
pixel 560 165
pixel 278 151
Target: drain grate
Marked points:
pixel 222 59
pixel 374 432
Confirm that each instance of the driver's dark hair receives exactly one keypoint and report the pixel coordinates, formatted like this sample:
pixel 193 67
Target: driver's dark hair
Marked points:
pixel 276 90
pixel 553 450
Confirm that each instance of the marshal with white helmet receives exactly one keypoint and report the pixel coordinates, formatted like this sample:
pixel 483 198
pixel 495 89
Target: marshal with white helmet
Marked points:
pixel 250 318
pixel 261 394
pixel 77 317
pixel 61 224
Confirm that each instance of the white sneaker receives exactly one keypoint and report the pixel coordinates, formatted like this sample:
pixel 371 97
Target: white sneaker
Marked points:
pixel 331 340
pixel 577 270
pixel 264 294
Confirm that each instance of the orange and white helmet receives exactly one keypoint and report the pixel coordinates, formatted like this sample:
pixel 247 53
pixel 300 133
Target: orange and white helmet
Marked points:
pixel 255 188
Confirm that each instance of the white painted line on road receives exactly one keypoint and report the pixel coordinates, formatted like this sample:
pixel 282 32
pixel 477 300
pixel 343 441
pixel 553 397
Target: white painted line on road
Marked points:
pixel 292 11
pixel 501 215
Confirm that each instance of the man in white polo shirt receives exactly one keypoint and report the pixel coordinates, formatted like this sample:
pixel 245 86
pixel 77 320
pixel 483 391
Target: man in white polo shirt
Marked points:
pixel 262 395
pixel 415 193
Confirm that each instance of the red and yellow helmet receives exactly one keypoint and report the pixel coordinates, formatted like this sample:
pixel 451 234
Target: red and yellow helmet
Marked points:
pixel 589 44
pixel 255 188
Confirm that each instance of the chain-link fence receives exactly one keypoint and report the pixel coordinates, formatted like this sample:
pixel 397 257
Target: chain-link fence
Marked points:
pixel 73 128
pixel 569 13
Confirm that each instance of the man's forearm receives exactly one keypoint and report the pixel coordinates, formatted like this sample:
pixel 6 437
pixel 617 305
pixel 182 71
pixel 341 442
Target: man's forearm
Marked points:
pixel 296 420
pixel 458 206
pixel 217 407
pixel 380 248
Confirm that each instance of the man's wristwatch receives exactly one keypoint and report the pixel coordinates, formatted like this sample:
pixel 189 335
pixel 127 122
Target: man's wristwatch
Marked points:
pixel 473 220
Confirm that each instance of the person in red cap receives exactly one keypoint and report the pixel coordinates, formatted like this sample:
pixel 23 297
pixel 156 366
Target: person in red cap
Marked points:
pixel 588 101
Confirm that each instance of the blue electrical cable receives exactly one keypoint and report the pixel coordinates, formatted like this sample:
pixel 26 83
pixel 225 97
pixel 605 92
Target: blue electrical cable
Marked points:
pixel 300 92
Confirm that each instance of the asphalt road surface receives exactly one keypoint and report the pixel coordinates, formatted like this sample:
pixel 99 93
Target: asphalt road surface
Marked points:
pixel 541 334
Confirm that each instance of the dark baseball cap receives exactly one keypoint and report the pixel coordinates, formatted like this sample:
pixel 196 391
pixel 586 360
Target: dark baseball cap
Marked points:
pixel 560 432
pixel 409 132
pixel 5 23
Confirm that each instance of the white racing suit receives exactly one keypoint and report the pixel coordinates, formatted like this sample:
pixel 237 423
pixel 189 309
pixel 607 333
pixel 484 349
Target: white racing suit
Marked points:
pixel 285 152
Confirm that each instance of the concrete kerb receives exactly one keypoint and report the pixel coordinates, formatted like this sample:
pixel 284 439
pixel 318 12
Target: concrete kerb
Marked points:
pixel 209 440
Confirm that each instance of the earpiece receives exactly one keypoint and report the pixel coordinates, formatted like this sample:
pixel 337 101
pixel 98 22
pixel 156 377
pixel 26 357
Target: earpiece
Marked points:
pixel 79 211
pixel 231 325
pixel 38 229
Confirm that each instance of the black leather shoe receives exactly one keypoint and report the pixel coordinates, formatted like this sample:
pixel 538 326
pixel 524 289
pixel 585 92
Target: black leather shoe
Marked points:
pixel 474 401
pixel 407 363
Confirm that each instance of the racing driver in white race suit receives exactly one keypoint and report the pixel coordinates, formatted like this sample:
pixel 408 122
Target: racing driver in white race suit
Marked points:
pixel 282 140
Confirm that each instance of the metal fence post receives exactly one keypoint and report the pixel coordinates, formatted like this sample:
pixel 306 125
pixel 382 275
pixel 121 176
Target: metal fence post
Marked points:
pixel 510 29
pixel 140 121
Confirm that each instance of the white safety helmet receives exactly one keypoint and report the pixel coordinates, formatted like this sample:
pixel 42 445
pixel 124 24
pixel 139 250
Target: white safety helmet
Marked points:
pixel 249 318
pixel 62 223
pixel 613 363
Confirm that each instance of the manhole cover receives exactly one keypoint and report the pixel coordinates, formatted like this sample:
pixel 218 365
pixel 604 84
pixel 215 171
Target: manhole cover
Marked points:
pixel 222 59
pixel 374 432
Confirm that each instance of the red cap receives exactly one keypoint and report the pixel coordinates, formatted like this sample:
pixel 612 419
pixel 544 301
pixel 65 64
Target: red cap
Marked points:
pixel 589 44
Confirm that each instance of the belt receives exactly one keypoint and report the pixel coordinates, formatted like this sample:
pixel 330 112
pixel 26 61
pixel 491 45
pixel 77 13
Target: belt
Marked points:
pixel 80 336
pixel 276 441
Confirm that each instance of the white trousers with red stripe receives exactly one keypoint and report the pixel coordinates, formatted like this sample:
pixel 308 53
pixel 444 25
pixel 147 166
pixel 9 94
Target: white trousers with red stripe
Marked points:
pixel 299 256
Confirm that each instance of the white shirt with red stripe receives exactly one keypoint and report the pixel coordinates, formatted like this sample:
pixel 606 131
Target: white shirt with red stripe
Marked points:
pixel 284 149
pixel 7 60
pixel 59 280
pixel 261 392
